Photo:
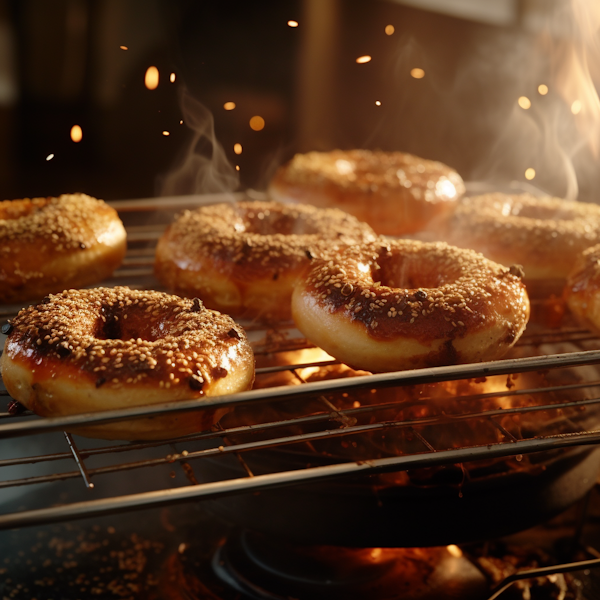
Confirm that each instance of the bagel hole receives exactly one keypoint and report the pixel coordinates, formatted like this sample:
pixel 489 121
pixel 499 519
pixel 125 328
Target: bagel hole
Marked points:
pixel 122 325
pixel 408 272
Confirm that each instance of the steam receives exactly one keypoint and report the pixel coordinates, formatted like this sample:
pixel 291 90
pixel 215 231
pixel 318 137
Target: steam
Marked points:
pixel 203 167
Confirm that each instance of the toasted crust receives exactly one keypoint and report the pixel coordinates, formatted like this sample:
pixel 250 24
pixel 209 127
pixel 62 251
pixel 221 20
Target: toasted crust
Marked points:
pixel 101 349
pixel 394 192
pixel 407 304
pixel 244 258
pixel 49 244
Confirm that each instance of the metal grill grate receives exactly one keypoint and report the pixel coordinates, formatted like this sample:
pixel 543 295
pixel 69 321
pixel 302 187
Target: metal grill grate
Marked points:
pixel 322 413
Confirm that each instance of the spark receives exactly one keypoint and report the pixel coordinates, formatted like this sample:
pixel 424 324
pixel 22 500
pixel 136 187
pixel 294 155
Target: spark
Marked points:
pixel 417 73
pixel 524 102
pixel 292 23
pixel 257 123
pixel 543 89
pixel 389 29
pixel 124 47
pixel 76 133
pixel 229 105
pixel 237 167
pixel 576 107
pixel 361 60
pixel 166 133
pixel 237 148
pixel 181 122
pixel 529 173
pixel 377 102
pixel 151 78
pixel 172 77
pixel 49 157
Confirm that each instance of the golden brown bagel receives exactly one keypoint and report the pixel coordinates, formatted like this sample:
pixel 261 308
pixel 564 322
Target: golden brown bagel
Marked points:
pixel 244 258
pixel 582 291
pixel 408 304
pixel 101 349
pixel 49 244
pixel 394 192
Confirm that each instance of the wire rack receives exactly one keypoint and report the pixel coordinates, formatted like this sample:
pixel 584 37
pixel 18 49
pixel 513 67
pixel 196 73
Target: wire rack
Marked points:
pixel 39 452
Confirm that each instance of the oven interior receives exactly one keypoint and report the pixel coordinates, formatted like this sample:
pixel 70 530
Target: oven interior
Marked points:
pixel 348 476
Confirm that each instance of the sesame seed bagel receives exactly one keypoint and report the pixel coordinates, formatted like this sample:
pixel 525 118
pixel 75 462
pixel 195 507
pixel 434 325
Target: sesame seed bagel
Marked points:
pixel 544 235
pixel 244 258
pixel 49 244
pixel 101 349
pixel 406 304
pixel 582 291
pixel 394 192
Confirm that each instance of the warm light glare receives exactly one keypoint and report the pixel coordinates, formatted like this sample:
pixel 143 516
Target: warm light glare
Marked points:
pixel 377 102
pixel 181 122
pixel 361 60
pixel 293 23
pixel 124 47
pixel 76 133
pixel 237 167
pixel 454 550
pixel 166 133
pixel 237 148
pixel 376 553
pixel 524 102
pixel 576 107
pixel 417 73
pixel 172 77
pixel 543 89
pixel 151 78
pixel 257 123
pixel 389 29
pixel 50 157
pixel 530 173
pixel 229 105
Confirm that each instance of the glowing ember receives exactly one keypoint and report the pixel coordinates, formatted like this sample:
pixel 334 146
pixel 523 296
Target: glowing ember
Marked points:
pixel 76 133
pixel 257 123
pixel 50 157
pixel 151 78
pixel 377 103
pixel 181 122
pixel 293 23
pixel 229 105
pixel 524 102
pixel 172 77
pixel 417 73
pixel 530 173
pixel 361 60
pixel 543 89
pixel 389 29
pixel 166 133
pixel 237 167
pixel 237 148
pixel 124 47
pixel 576 107
pixel 454 550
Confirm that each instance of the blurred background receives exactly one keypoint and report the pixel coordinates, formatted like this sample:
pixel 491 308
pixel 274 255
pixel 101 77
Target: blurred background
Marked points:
pixel 112 97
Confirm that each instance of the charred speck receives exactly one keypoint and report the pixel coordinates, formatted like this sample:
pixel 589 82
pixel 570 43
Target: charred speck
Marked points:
pixel 197 305
pixel 275 276
pixel 232 333
pixel 63 351
pixel 420 295
pixel 16 408
pixel 82 246
pixel 46 299
pixel 100 381
pixel 309 254
pixel 6 328
pixel 219 372
pixel 195 384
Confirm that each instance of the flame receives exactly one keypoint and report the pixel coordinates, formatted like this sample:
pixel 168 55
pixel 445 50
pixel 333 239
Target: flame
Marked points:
pixel 361 60
pixel 417 73
pixel 292 23
pixel 151 78
pixel 76 133
pixel 237 148
pixel 229 105
pixel 257 123
pixel 389 30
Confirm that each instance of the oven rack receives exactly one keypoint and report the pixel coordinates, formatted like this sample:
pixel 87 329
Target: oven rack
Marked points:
pixel 330 423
